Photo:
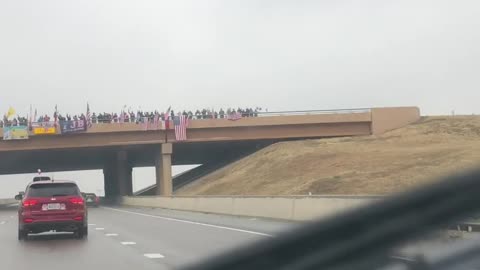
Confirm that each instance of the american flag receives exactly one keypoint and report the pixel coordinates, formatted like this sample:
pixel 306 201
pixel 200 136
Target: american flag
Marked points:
pixel 166 122
pixel 156 121
pixel 145 122
pixel 180 123
pixel 122 114
pixel 89 117
pixel 55 115
pixel 30 121
pixel 234 116
pixel 122 117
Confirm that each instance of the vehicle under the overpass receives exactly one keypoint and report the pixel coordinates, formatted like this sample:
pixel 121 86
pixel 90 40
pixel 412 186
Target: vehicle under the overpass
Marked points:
pixel 116 148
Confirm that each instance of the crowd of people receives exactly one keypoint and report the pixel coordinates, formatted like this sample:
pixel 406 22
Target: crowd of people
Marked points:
pixel 17 121
pixel 138 117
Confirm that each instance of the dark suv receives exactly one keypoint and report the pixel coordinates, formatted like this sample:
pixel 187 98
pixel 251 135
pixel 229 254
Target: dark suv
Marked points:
pixel 52 205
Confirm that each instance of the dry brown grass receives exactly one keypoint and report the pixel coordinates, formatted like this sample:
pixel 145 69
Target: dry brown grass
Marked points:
pixel 392 162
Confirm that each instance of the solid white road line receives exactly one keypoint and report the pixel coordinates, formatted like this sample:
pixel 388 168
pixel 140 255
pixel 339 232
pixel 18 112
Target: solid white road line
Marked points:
pixel 189 222
pixel 128 243
pixel 154 255
pixel 111 234
pixel 99 229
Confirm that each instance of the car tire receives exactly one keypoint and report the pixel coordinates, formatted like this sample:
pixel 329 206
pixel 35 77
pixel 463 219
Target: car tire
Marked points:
pixel 81 233
pixel 22 235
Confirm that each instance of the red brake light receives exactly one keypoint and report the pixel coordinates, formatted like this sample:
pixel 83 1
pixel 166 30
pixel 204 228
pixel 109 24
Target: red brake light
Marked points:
pixel 97 199
pixel 28 220
pixel 29 202
pixel 78 218
pixel 76 200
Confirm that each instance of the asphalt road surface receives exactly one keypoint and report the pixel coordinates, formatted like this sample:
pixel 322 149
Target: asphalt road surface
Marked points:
pixel 132 238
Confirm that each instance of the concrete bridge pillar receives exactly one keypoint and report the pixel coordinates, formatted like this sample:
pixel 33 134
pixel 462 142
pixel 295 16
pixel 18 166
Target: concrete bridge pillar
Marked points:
pixel 163 170
pixel 117 174
pixel 124 174
pixel 109 177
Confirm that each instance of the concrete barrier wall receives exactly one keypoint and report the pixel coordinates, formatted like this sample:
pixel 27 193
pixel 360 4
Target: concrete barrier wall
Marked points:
pixel 289 207
pixel 7 201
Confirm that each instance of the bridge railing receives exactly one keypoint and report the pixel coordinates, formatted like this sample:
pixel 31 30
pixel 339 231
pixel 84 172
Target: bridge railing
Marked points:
pixel 314 112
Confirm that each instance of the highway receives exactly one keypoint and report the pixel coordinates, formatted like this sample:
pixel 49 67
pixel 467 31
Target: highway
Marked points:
pixel 124 238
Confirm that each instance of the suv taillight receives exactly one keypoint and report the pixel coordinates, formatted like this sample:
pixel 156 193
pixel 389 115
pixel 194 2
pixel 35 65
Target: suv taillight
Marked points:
pixel 77 200
pixel 29 202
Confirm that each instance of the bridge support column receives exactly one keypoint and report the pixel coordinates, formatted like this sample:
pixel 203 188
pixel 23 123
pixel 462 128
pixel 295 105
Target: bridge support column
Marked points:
pixel 163 170
pixel 124 174
pixel 117 175
pixel 109 177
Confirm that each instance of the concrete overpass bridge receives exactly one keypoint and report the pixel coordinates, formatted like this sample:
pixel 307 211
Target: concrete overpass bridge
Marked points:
pixel 118 147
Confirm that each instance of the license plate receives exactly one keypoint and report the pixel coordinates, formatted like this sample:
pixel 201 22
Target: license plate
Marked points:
pixel 53 206
pixel 89 200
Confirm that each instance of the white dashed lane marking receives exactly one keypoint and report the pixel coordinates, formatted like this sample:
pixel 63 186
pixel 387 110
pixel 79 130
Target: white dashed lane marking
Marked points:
pixel 2 222
pixel 91 224
pixel 154 255
pixel 111 234
pixel 99 229
pixel 128 243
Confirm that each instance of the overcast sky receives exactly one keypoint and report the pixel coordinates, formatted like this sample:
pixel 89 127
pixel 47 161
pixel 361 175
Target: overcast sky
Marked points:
pixel 278 54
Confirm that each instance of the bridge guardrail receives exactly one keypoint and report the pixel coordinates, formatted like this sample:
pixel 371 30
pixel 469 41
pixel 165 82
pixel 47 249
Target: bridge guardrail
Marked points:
pixel 246 115
pixel 310 112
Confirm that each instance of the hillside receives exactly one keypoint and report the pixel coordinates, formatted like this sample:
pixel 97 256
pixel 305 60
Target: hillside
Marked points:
pixel 392 162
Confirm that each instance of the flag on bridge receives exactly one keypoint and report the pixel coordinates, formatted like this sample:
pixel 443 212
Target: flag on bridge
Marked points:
pixel 11 113
pixel 166 120
pixel 55 115
pixel 234 116
pixel 89 117
pixel 156 121
pixel 145 122
pixel 180 123
pixel 30 117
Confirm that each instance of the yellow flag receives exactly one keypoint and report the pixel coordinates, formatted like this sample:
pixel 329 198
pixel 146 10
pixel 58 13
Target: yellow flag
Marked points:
pixel 11 112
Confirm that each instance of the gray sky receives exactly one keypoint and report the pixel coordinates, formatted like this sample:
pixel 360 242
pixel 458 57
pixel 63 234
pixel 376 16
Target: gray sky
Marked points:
pixel 279 54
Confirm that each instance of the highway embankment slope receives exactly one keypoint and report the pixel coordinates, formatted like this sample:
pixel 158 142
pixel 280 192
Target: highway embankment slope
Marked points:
pixel 391 162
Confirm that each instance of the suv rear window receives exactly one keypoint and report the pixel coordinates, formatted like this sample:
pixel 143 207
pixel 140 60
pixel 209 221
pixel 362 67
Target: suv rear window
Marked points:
pixel 51 190
pixel 41 178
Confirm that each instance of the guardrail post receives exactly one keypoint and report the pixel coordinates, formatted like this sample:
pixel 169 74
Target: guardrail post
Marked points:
pixel 163 170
